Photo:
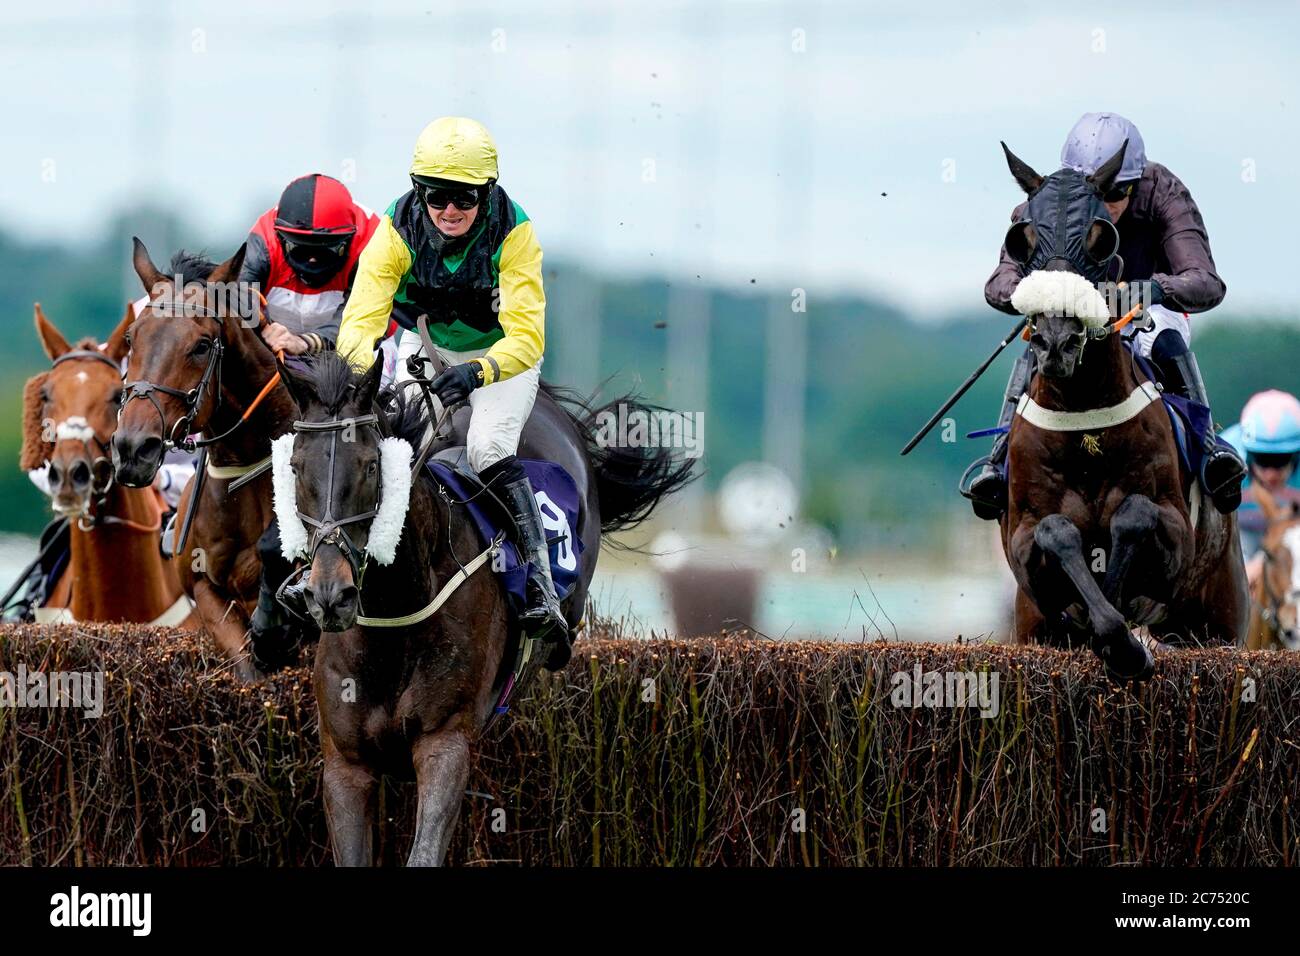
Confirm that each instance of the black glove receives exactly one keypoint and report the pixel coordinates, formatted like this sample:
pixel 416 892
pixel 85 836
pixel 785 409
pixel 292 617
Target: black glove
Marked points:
pixel 453 385
pixel 1156 294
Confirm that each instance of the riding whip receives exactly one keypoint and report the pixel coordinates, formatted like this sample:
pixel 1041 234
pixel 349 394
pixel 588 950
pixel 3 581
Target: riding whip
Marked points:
pixel 952 399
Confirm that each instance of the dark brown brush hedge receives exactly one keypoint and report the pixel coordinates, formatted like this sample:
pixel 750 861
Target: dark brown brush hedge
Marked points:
pixel 726 751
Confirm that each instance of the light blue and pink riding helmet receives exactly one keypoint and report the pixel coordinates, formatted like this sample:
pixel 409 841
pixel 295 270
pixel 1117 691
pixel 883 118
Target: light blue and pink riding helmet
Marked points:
pixel 1270 424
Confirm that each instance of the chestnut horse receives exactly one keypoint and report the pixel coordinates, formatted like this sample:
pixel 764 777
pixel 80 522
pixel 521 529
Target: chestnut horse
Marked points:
pixel 1275 595
pixel 115 570
pixel 196 365
pixel 405 684
pixel 1104 528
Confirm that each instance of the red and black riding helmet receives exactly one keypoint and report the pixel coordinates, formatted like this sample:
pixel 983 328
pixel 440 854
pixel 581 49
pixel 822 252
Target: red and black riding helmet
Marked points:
pixel 315 224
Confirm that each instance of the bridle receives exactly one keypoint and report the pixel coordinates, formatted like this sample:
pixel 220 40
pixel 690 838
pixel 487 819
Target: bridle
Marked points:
pixel 179 435
pixel 92 515
pixel 329 529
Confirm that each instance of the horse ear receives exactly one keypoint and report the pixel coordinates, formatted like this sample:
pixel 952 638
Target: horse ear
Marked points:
pixel 36 450
pixel 52 339
pixel 1024 174
pixel 300 389
pixel 116 347
pixel 1104 178
pixel 228 271
pixel 368 387
pixel 144 267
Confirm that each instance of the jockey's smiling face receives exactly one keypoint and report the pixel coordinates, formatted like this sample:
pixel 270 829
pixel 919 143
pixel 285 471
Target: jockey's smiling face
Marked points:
pixel 452 221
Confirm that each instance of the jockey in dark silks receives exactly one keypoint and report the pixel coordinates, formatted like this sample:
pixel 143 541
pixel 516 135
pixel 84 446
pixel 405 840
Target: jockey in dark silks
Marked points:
pixel 1163 245
pixel 458 249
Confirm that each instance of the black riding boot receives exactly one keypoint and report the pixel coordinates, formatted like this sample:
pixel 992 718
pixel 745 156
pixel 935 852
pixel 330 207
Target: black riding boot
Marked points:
pixel 543 616
pixel 987 491
pixel 1222 470
pixel 274 636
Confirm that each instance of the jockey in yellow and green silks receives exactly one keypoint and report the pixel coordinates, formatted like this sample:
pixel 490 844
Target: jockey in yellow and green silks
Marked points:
pixel 457 249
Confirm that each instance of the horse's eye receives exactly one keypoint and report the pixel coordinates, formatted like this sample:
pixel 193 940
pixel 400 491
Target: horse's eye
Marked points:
pixel 372 468
pixel 201 348
pixel 116 397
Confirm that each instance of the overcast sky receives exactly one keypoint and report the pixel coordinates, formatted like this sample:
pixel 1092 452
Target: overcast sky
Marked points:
pixel 822 145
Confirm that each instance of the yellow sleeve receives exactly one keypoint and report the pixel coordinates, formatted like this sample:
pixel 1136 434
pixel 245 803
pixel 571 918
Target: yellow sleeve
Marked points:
pixel 383 263
pixel 523 307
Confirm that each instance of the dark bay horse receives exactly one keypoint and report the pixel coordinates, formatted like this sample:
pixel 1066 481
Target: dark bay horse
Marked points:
pixel 1104 528
pixel 1275 595
pixel 115 569
pixel 409 696
pixel 197 365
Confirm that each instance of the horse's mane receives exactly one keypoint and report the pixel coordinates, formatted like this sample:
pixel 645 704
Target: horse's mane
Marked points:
pixel 191 266
pixel 334 381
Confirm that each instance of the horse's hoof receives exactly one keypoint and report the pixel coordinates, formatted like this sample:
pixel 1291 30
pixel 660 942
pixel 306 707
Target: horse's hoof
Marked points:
pixel 1131 662
pixel 559 655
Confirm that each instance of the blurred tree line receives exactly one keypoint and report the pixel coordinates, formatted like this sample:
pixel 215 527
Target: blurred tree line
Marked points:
pixel 874 375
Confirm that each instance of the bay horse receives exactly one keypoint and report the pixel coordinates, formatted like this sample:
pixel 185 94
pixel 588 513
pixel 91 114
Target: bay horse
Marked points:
pixel 1104 528
pixel 197 365
pixel 1275 594
pixel 115 569
pixel 414 626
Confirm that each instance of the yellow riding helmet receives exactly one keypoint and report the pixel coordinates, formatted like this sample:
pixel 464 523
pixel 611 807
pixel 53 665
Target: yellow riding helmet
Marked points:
pixel 457 149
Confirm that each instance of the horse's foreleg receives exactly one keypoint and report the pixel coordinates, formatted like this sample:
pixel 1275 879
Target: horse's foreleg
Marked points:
pixel 226 621
pixel 1133 530
pixel 350 790
pixel 441 772
pixel 1125 656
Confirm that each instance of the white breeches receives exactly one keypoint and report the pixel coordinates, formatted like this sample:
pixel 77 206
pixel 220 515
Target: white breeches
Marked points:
pixel 497 411
pixel 1164 319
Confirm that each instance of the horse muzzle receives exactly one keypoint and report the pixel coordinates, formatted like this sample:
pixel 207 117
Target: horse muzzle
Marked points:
pixel 136 458
pixel 332 597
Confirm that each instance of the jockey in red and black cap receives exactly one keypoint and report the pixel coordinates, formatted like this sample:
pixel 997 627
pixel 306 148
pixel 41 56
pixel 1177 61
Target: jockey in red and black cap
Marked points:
pixel 303 252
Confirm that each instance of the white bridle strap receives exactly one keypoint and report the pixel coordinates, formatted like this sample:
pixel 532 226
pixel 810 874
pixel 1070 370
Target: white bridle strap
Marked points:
pixel 439 599
pixel 1094 419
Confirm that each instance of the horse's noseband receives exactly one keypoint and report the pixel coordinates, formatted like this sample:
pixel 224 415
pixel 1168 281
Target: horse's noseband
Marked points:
pixel 178 436
pixel 328 529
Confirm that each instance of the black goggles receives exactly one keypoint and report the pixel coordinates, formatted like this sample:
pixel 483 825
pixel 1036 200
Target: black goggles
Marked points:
pixel 438 198
pixel 1273 459
pixel 304 247
pixel 1119 192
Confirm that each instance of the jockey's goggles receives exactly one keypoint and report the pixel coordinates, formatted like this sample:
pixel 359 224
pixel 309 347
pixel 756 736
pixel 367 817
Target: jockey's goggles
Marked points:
pixel 1119 192
pixel 463 198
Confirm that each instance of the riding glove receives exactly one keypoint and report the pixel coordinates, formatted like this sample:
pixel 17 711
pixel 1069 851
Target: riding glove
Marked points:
pixel 454 384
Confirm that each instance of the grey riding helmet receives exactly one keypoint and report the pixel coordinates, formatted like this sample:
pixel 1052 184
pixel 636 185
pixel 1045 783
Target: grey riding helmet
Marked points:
pixel 1096 137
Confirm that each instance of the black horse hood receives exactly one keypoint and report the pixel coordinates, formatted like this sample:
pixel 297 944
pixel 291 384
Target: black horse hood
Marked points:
pixel 1062 211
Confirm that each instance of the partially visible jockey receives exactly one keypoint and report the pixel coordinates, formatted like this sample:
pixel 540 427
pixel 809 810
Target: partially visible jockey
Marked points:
pixel 459 250
pixel 1164 247
pixel 1268 435
pixel 302 253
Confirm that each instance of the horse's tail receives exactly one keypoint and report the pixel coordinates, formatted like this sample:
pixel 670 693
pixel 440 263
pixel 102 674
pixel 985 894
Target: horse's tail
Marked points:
pixel 630 479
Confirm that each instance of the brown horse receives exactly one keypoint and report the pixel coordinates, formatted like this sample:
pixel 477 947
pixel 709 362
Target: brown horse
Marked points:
pixel 414 621
pixel 1275 594
pixel 115 570
pixel 1104 527
pixel 197 365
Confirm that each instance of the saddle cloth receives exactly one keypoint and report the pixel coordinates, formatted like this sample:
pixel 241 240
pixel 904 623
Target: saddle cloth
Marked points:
pixel 557 500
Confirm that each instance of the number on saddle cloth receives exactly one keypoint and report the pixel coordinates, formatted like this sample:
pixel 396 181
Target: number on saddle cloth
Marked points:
pixel 558 502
